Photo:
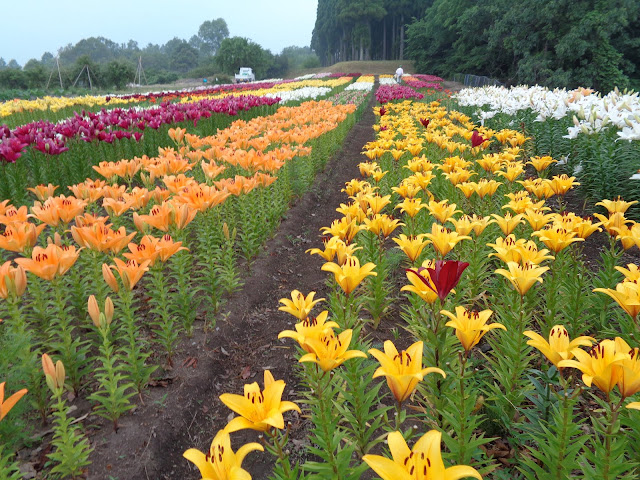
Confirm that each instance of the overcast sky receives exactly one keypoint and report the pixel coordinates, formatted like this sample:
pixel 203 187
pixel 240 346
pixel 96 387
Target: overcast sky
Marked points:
pixel 31 27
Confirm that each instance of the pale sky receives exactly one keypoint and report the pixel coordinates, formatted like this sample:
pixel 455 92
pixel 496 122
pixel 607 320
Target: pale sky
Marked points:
pixel 31 27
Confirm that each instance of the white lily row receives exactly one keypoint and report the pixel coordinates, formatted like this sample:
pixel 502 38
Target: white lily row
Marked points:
pixel 299 94
pixel 591 113
pixel 386 81
pixel 361 86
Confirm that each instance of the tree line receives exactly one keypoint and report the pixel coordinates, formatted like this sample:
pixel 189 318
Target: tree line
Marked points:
pixel 557 43
pixel 100 62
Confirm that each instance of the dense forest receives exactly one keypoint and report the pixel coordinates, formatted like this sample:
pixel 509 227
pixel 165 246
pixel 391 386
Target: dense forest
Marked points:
pixel 100 62
pixel 592 43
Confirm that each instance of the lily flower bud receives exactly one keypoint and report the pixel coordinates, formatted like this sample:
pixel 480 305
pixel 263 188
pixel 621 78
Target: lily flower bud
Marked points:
pixel 108 310
pixel 94 310
pixel 110 278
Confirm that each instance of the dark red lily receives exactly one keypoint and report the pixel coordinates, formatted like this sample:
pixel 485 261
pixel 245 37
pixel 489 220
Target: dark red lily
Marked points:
pixel 477 139
pixel 382 111
pixel 425 122
pixel 445 276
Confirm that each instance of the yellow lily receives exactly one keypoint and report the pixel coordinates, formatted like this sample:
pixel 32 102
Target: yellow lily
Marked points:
pixel 487 187
pixel 537 218
pixel 508 249
pixel 561 184
pixel 459 175
pixel 403 370
pixel 377 203
pixel 470 326
pixel 599 366
pixel 411 246
pixel 350 274
pixel 629 382
pixel 258 410
pixel 443 239
pixel 628 236
pixel 310 327
pixel 614 222
pixel 330 351
pixel 520 201
pixel 541 163
pixel 480 223
pixel 382 224
pixel 634 405
pixel 631 273
pixel 559 347
pixel 411 206
pixel 513 170
pixel 221 463
pixel 508 223
pixel 423 462
pixel 627 295
pixel 442 211
pixel 557 238
pixel 522 277
pixel 299 306
pixel 344 228
pixel 406 190
pixel 617 205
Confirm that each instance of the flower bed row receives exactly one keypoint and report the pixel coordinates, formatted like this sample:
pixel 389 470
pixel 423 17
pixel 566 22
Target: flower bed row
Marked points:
pixel 213 199
pixel 493 277
pixel 591 135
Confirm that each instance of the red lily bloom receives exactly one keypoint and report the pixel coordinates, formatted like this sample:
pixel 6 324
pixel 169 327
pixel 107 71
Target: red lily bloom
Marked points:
pixel 477 139
pixel 425 122
pixel 444 276
pixel 382 111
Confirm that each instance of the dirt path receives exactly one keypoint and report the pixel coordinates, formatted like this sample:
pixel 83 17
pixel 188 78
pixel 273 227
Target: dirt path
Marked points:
pixel 187 412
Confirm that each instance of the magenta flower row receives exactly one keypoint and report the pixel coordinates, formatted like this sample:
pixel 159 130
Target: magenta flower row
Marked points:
pixel 107 126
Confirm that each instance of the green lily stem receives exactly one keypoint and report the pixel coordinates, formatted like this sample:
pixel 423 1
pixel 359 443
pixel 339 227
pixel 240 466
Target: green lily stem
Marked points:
pixel 462 357
pixel 609 434
pixel 283 457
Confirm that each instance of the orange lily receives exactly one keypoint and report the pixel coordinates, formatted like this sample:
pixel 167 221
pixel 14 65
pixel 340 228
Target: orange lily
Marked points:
pixel 9 403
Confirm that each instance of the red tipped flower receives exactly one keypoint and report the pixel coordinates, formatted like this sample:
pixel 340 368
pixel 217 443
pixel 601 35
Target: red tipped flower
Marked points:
pixel 444 276
pixel 477 139
pixel 425 122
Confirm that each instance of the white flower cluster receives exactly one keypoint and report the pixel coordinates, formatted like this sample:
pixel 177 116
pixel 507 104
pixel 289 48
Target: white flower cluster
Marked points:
pixel 386 81
pixel 364 83
pixel 299 94
pixel 306 77
pixel 591 112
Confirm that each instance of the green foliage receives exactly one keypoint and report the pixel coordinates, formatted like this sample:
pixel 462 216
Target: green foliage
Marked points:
pixel 114 390
pixel 211 34
pixel 71 448
pixel 564 43
pixel 236 52
pixel 118 73
pixel 8 468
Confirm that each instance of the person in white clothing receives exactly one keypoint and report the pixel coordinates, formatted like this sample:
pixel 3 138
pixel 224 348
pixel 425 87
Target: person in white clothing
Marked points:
pixel 399 74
